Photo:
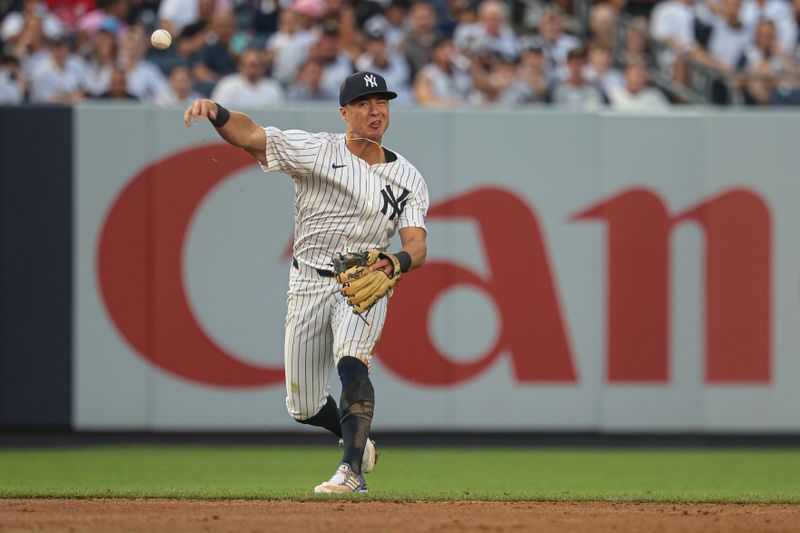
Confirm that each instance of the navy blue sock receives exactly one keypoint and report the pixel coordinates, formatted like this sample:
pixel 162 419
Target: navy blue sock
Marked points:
pixel 327 417
pixel 356 408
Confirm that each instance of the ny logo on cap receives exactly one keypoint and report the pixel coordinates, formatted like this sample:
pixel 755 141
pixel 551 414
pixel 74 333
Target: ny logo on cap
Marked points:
pixel 370 80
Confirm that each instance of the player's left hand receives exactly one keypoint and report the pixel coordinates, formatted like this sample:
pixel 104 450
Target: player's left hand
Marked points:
pixel 364 285
pixel 385 263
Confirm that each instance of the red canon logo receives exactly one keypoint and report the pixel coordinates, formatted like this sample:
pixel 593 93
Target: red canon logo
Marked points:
pixel 140 275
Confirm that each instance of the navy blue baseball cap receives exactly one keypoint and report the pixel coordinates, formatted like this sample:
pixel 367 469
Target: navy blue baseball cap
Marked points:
pixel 363 84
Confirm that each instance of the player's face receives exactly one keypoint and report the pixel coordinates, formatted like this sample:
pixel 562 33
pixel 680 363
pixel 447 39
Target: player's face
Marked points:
pixel 367 117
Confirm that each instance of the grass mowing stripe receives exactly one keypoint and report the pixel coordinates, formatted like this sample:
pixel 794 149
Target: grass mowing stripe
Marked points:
pixel 681 475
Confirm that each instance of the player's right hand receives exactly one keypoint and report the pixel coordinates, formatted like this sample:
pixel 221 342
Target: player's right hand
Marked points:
pixel 199 109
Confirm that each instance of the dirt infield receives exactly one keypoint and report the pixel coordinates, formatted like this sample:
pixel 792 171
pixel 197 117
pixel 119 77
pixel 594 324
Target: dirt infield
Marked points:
pixel 245 516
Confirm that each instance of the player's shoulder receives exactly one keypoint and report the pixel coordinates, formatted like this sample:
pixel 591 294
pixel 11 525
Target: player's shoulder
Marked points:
pixel 407 166
pixel 302 136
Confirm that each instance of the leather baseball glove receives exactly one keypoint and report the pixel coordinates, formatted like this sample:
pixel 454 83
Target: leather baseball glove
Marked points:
pixel 362 286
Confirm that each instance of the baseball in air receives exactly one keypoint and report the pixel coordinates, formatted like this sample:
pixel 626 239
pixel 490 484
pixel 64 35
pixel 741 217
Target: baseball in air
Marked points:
pixel 161 39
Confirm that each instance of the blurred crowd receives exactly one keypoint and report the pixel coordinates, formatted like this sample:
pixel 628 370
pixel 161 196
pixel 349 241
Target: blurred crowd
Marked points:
pixel 443 53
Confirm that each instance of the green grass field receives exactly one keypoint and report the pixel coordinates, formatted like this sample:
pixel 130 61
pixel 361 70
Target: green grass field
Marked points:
pixel 540 474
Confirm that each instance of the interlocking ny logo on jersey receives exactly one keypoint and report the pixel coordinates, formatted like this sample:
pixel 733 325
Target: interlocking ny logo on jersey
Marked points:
pixel 370 80
pixel 398 204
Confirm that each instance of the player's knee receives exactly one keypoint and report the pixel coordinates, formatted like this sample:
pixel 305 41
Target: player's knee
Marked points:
pixel 301 413
pixel 351 369
pixel 300 416
pixel 314 413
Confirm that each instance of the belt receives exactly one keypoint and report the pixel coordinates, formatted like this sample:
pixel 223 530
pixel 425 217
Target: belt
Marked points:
pixel 323 273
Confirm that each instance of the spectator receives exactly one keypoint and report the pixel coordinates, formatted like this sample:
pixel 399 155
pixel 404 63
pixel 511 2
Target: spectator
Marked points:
pixel 635 95
pixel 673 22
pixel 796 45
pixel 603 20
pixel 12 81
pixel 174 15
pixel 392 23
pixel 417 45
pixel 332 9
pixel 528 13
pixel 780 12
pixel 146 12
pixel 101 62
pixel 248 88
pixel 144 79
pixel 445 82
pixel 341 15
pixel 180 92
pixel 30 47
pixel 60 78
pixel 69 11
pixel 635 45
pixel 216 58
pixel 556 42
pixel 118 86
pixel 482 61
pixel 366 9
pixel 492 28
pixel 336 66
pixel 193 36
pixel 314 10
pixel 392 66
pixel 508 88
pixel 533 71
pixel 307 87
pixel 599 71
pixel 15 23
pixel 288 48
pixel 259 18
pixel 768 67
pixel 728 39
pixel 109 15
pixel 575 93
pixel 458 12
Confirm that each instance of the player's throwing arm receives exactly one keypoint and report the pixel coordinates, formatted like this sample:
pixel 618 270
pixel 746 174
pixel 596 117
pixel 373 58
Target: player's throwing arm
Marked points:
pixel 236 128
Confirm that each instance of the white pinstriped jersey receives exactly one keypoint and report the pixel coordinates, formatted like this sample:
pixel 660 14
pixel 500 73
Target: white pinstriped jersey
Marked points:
pixel 342 203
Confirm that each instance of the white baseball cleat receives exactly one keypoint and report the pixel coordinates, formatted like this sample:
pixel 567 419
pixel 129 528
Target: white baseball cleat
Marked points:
pixel 369 458
pixel 343 481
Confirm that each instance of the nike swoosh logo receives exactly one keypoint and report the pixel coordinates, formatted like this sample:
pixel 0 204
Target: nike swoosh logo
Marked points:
pixel 337 166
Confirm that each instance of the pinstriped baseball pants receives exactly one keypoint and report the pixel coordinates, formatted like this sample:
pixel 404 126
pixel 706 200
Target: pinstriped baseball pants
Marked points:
pixel 321 328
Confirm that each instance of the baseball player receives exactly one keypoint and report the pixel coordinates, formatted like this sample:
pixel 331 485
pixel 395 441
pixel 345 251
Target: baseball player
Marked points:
pixel 351 196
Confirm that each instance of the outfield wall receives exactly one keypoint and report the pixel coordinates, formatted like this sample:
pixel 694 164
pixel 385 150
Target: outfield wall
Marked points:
pixel 587 272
